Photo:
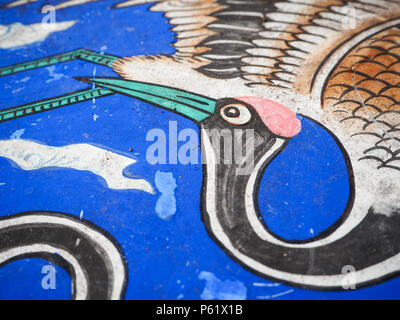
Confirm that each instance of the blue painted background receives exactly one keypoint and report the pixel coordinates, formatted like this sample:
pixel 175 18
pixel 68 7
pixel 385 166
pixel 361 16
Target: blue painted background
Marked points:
pixel 306 189
pixel 166 259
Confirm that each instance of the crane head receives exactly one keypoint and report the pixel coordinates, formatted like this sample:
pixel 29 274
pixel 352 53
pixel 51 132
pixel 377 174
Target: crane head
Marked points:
pixel 239 112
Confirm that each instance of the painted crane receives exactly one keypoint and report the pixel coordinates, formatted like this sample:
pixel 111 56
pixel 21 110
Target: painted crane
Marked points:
pixel 252 65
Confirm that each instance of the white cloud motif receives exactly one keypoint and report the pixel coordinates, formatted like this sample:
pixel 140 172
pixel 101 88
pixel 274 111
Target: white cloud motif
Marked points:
pixel 18 34
pixel 31 155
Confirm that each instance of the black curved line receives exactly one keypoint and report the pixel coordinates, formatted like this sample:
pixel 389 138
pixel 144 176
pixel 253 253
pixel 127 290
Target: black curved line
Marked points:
pixel 371 158
pixel 87 254
pixel 383 140
pixel 383 40
pixel 355 117
pixel 237 228
pixel 340 111
pixel 346 101
pixel 392 64
pixel 389 167
pixel 374 79
pixel 366 58
pixel 387 53
pixel 370 61
pixel 388 71
pixel 346 211
pixel 331 98
pixel 361 107
pixel 367 134
pixel 383 113
pixel 369 122
pixel 53 258
pixel 376 148
pixel 382 96
pixel 351 72
pixel 351 88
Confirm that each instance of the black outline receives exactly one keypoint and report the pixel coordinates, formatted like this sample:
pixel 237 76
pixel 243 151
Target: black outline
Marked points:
pixel 59 260
pixel 206 221
pixel 349 205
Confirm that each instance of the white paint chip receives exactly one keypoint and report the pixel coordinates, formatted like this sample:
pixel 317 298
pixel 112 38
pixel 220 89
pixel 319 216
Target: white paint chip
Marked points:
pixel 217 289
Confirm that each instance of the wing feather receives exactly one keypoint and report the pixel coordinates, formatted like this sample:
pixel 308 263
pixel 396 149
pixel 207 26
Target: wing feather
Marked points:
pixel 264 42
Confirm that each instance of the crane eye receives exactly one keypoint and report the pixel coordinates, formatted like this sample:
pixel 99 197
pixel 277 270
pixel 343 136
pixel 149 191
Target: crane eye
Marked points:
pixel 235 113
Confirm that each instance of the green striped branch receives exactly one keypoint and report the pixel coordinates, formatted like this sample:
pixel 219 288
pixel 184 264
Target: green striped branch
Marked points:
pixel 53 103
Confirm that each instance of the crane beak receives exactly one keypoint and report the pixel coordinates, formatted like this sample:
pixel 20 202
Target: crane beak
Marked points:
pixel 190 105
